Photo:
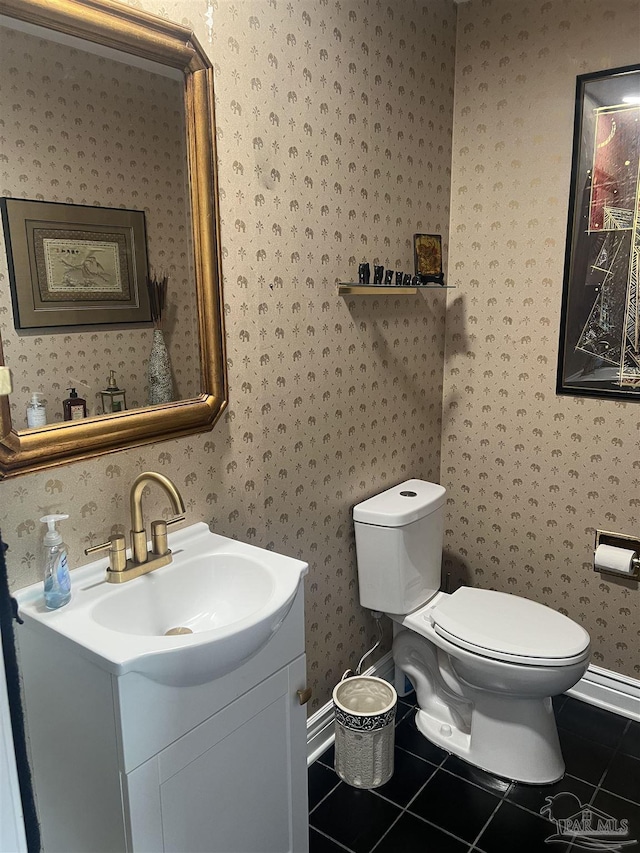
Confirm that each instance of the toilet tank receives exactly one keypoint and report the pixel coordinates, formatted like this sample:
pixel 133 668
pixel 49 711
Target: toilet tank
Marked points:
pixel 399 546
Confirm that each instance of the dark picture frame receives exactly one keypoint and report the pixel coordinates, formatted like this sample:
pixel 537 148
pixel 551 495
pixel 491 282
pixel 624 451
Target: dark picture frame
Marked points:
pixel 75 265
pixel 427 252
pixel 599 349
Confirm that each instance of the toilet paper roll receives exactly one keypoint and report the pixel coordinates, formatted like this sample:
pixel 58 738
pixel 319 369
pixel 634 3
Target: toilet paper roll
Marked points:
pixel 613 559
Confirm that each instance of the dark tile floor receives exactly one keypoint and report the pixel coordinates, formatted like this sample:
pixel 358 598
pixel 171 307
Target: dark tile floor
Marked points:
pixel 436 803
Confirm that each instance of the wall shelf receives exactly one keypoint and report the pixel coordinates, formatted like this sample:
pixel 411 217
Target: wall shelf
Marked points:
pixel 354 289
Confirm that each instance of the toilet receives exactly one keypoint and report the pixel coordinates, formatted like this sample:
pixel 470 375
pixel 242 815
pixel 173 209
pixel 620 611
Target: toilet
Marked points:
pixel 484 664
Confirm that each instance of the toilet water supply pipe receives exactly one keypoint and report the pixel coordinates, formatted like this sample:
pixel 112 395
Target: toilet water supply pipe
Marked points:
pixel 377 615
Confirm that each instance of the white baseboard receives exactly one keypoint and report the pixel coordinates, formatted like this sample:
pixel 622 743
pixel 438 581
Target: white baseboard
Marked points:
pixel 320 734
pixel 609 690
pixel 600 687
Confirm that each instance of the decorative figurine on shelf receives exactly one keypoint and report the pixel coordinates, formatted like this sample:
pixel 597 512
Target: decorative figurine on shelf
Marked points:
pixel 388 277
pixel 114 399
pixel 159 368
pixel 399 276
pixel 428 258
pixel 406 280
pixel 378 272
pixel 364 274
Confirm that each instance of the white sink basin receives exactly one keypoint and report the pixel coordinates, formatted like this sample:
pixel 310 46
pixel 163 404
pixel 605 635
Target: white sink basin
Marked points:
pixel 226 599
pixel 208 592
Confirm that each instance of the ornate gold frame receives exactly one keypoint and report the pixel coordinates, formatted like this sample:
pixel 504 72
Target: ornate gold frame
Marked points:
pixel 121 27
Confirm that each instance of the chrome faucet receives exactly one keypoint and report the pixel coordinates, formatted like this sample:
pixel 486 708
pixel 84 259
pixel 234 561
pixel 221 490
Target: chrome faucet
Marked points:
pixel 142 561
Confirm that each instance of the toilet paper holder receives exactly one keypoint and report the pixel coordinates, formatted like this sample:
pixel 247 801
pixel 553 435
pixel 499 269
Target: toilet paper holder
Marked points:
pixel 618 540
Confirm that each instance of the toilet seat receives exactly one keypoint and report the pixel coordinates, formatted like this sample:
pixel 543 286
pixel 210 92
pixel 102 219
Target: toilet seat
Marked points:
pixel 507 627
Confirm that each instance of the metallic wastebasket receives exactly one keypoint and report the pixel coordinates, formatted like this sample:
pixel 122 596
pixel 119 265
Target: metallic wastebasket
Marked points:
pixel 365 711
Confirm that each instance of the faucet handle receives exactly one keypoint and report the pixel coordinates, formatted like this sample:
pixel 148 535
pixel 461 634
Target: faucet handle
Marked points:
pixel 117 552
pixel 159 542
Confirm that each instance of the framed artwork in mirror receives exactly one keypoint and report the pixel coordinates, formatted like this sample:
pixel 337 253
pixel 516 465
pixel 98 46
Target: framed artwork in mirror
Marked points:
pixel 428 258
pixel 599 352
pixel 75 265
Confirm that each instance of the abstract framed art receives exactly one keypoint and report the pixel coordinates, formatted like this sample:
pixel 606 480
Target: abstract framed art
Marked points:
pixel 599 352
pixel 75 265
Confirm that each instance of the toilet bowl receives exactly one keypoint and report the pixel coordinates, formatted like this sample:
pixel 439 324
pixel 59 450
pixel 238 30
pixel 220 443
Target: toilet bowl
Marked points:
pixel 484 664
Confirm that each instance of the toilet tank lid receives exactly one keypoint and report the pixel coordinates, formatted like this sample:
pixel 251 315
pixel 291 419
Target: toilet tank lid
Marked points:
pixel 400 505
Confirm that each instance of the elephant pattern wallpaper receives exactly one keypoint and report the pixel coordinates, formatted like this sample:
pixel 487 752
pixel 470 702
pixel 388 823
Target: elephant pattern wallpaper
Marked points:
pixel 530 474
pixel 334 147
pixel 338 138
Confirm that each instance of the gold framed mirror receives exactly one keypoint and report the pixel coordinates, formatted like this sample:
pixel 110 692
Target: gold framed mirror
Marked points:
pixel 146 39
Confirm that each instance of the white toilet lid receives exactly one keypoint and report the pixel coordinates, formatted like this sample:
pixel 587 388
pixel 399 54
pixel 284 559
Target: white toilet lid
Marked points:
pixel 508 627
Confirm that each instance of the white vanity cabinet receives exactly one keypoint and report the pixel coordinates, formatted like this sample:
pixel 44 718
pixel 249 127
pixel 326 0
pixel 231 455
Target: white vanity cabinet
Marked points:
pixel 124 763
pixel 229 784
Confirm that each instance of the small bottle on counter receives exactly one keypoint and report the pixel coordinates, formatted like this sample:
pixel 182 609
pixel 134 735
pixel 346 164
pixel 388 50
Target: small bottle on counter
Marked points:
pixel 36 412
pixel 74 407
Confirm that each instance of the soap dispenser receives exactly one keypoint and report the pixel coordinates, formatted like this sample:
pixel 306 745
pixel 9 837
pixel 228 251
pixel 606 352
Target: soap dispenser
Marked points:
pixel 57 583
pixel 36 412
pixel 74 407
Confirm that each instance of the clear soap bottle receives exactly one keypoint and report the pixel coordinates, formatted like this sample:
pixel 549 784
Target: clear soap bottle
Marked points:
pixel 57 582
pixel 36 412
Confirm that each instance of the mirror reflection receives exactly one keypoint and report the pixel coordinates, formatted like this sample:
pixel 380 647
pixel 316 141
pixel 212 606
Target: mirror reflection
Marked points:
pixel 89 128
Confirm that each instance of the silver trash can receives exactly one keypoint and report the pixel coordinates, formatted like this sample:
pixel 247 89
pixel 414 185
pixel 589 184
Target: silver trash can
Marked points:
pixel 365 712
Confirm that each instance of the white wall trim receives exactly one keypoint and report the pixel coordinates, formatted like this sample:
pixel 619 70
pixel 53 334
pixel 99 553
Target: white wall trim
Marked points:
pixel 600 687
pixel 609 690
pixel 320 734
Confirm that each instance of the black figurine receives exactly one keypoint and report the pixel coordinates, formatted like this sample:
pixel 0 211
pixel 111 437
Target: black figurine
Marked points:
pixel 364 273
pixel 388 276
pixel 406 280
pixel 399 276
pixel 378 272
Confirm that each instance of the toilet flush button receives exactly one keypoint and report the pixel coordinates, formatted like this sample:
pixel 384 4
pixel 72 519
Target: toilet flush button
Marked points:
pixel 445 730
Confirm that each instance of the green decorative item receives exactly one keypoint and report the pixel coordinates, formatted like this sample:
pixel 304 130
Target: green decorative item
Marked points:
pixel 114 399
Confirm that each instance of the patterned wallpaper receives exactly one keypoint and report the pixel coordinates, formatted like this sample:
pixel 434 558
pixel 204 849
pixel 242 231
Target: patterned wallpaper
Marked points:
pixel 334 147
pixel 334 134
pixel 83 129
pixel 530 474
